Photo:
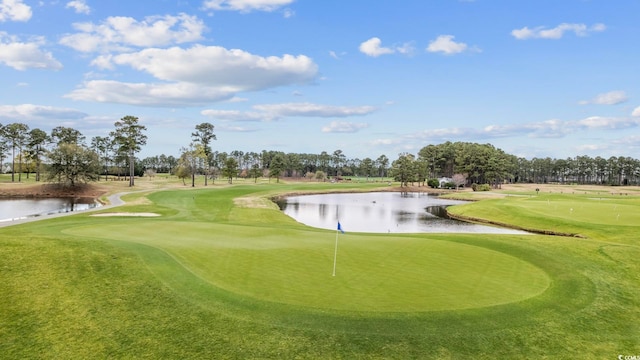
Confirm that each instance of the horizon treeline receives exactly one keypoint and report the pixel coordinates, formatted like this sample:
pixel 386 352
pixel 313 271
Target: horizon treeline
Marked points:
pixel 477 163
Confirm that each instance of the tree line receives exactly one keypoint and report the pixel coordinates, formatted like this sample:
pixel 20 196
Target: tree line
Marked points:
pixel 64 157
pixel 472 163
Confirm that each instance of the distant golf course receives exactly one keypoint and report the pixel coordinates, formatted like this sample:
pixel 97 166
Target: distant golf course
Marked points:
pixel 220 272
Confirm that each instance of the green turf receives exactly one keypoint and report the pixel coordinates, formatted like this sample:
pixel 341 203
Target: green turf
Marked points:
pixel 214 277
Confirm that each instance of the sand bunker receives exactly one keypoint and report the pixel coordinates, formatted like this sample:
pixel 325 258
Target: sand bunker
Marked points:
pixel 127 214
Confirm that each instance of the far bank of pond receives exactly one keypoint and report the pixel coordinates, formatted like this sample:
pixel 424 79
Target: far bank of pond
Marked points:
pixel 381 212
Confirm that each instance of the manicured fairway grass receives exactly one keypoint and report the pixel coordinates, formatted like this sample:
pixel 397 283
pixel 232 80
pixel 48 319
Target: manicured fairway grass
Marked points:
pixel 222 273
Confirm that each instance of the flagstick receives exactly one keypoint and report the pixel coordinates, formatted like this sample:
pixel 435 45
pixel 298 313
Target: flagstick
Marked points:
pixel 335 254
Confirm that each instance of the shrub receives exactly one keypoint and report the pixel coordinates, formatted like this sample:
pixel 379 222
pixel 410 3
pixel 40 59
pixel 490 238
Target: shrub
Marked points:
pixel 433 183
pixel 481 187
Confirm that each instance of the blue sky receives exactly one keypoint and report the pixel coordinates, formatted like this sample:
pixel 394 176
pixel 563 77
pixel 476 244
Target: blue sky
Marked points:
pixel 535 78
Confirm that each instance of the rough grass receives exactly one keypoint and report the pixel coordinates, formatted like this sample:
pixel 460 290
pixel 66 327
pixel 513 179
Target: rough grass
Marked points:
pixel 214 278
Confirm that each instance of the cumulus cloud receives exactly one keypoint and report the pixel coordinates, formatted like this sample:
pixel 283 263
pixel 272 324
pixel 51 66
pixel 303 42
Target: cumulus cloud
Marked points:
pixel 245 5
pixel 636 112
pixel 29 112
pixel 14 10
pixel 121 33
pixel 556 33
pixel 373 47
pixel 233 70
pixel 445 44
pixel 344 127
pixel 23 55
pixel 145 94
pixel 195 76
pixel 79 6
pixel 610 98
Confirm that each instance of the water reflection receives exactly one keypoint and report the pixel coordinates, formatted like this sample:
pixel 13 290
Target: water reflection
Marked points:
pixel 381 212
pixel 16 209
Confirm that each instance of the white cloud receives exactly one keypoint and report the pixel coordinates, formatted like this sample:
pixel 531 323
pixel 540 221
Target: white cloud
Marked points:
pixel 235 115
pixel 386 142
pixel 288 13
pixel 121 33
pixel 446 45
pixel 610 98
pixel 636 112
pixel 237 99
pixel 344 127
pixel 27 112
pixel 143 94
pixel 557 32
pixel 26 55
pixel 314 110
pixel 196 76
pixel 547 129
pixel 14 10
pixel 245 5
pixel 372 47
pixel 555 128
pixel 269 112
pixel 599 122
pixel 226 127
pixel 229 70
pixel 406 49
pixel 80 6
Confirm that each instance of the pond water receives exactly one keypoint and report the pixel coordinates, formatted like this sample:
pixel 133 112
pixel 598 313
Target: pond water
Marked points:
pixel 381 212
pixel 16 209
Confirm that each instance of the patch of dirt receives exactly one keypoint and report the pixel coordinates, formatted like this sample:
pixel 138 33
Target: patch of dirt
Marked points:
pixel 51 191
pixel 254 202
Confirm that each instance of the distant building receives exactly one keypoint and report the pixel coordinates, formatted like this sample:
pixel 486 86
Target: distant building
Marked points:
pixel 444 180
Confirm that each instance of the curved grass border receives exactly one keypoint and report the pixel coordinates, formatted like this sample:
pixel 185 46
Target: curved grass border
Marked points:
pixel 570 292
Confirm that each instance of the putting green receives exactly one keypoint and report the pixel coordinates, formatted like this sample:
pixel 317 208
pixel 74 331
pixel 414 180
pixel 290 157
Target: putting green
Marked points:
pixel 374 273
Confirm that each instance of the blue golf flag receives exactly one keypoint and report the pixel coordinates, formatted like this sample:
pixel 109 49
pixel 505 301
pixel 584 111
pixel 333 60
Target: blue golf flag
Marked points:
pixel 340 228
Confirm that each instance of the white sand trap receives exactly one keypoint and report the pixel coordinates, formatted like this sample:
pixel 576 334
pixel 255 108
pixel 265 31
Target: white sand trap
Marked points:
pixel 127 214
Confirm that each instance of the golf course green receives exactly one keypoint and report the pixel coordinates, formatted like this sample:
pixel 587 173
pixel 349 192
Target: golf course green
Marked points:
pixel 220 272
